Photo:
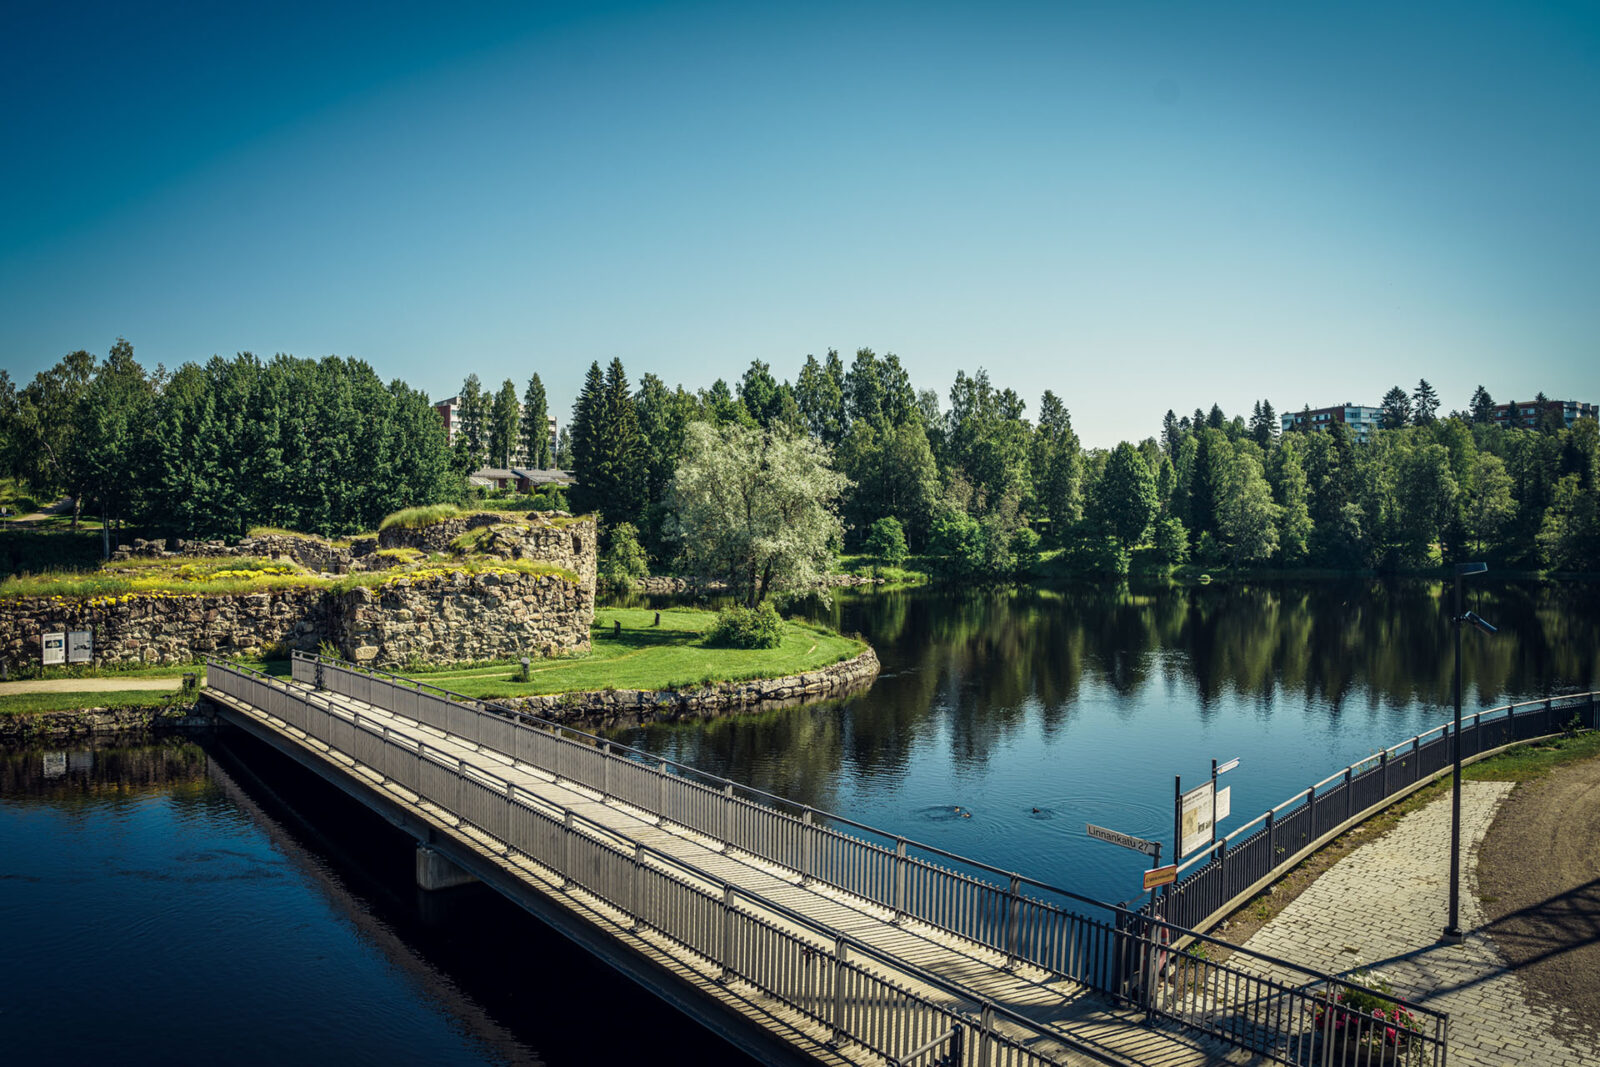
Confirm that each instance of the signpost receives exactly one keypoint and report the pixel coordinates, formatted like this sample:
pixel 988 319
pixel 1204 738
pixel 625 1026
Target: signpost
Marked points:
pixel 1195 814
pixel 1138 844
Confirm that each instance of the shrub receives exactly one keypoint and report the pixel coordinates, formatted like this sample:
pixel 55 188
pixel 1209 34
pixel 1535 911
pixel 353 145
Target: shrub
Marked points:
pixel 886 541
pixel 737 627
pixel 623 560
pixel 412 518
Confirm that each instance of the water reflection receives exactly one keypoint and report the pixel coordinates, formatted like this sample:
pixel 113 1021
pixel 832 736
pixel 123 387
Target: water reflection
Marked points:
pixel 1091 698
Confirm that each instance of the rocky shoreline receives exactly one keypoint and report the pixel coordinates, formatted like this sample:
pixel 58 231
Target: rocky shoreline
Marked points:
pixel 600 709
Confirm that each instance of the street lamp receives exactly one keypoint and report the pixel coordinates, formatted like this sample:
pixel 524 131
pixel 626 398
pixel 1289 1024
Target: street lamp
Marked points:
pixel 1452 932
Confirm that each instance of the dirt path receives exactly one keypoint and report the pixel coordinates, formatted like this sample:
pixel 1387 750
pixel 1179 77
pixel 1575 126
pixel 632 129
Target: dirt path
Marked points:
pixel 87 685
pixel 1539 883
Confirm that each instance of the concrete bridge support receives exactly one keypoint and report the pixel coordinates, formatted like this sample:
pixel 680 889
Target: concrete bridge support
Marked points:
pixel 434 871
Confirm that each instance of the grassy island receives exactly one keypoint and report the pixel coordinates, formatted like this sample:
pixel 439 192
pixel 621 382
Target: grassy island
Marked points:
pixel 644 655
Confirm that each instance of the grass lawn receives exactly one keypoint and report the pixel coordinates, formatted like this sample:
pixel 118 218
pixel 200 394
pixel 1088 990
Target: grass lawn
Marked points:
pixel 33 703
pixel 646 656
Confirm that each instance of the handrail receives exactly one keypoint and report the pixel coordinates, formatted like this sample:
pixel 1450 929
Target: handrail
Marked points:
pixel 1359 767
pixel 572 818
pixel 650 757
pixel 1124 915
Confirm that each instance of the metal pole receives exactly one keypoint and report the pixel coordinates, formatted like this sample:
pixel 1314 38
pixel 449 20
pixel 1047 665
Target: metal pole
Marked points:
pixel 1452 932
pixel 1213 802
pixel 1155 861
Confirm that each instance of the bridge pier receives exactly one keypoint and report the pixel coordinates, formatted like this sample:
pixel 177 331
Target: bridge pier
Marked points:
pixel 434 871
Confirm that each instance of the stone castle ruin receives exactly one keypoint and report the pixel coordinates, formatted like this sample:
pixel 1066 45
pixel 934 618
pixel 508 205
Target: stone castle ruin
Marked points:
pixel 470 587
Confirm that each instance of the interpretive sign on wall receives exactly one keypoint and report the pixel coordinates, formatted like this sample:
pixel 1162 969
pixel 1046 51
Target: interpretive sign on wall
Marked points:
pixel 80 646
pixel 54 648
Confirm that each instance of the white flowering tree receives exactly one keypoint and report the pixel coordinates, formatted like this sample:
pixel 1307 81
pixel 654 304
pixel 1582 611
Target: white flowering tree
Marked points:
pixel 759 507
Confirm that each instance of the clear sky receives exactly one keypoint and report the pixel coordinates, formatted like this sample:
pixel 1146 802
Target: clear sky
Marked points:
pixel 1137 205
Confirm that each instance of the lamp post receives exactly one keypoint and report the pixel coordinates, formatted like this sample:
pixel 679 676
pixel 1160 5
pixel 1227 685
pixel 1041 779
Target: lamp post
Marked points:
pixel 1452 932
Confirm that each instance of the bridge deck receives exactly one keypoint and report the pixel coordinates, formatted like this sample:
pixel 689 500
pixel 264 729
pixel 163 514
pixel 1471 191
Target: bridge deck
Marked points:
pixel 1053 1004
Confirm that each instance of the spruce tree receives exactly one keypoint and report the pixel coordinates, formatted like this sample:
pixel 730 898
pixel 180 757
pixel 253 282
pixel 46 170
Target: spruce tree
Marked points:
pixel 536 425
pixel 1424 403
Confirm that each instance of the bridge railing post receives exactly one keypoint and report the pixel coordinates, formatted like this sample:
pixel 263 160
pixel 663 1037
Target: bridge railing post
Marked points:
pixel 1013 919
pixel 728 969
pixel 985 1029
pixel 840 951
pixel 605 772
pixel 727 816
pixel 567 849
pixel 807 845
pixel 636 904
pixel 899 879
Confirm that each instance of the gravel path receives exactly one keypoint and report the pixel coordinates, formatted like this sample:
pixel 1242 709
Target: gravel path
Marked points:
pixel 1384 907
pixel 1539 883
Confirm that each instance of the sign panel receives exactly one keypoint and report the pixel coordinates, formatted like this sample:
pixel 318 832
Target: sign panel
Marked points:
pixel 1160 876
pixel 1194 824
pixel 1224 803
pixel 1138 844
pixel 80 646
pixel 54 648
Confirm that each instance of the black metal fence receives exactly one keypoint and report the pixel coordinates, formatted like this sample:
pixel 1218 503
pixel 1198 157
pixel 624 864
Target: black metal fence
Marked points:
pixel 1210 883
pixel 1270 1006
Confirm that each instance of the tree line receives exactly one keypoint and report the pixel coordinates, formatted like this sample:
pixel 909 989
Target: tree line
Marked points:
pixel 842 456
pixel 979 490
pixel 212 449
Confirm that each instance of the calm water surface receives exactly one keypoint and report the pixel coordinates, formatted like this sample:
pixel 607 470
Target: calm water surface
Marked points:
pixel 176 902
pixel 1037 711
pixel 161 903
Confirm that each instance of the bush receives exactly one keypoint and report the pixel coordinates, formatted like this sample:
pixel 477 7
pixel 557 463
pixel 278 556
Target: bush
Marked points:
pixel 623 560
pixel 886 541
pixel 738 627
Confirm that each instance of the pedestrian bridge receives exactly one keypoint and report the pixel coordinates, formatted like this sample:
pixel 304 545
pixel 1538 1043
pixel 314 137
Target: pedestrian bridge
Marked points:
pixel 799 935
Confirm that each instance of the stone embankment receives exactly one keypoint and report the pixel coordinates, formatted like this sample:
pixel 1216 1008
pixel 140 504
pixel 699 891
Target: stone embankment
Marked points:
pixel 54 726
pixel 666 584
pixel 627 707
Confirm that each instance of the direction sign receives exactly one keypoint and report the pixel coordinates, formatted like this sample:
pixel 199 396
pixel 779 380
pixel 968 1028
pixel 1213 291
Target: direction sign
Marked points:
pixel 1138 844
pixel 1160 876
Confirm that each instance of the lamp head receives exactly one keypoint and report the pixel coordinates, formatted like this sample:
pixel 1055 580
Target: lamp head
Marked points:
pixel 1480 622
pixel 1464 569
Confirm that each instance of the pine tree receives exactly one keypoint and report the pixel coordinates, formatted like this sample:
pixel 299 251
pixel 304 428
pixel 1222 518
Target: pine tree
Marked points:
pixel 1396 410
pixel 1482 406
pixel 583 452
pixel 536 425
pixel 1424 403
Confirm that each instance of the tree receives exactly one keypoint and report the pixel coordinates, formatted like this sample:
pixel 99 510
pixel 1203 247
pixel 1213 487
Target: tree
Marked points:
pixel 503 420
pixel 1424 403
pixel 1264 425
pixel 1216 419
pixel 583 453
pixel 624 560
pixel 1396 411
pixel 893 472
pixel 564 449
pixel 1057 466
pixel 1290 494
pixel 1247 518
pixel 819 394
pixel 608 449
pixel 472 440
pixel 536 425
pixel 1489 502
pixel 1125 497
pixel 886 541
pixel 765 400
pixel 758 506
pixel 1482 406
pixel 110 436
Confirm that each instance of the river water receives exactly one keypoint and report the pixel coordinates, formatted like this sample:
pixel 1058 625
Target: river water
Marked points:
pixel 176 901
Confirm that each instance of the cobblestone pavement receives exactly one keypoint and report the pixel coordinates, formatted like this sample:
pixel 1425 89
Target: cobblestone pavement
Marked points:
pixel 1383 907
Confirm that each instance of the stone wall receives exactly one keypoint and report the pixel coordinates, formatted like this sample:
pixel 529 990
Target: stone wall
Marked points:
pixel 444 618
pixel 629 707
pixel 459 617
pixel 667 584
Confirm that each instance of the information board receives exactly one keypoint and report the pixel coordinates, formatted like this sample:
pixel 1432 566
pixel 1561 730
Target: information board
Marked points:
pixel 53 648
pixel 1194 824
pixel 80 646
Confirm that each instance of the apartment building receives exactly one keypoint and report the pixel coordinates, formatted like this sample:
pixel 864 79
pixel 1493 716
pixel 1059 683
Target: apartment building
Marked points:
pixel 1525 413
pixel 1363 421
pixel 450 414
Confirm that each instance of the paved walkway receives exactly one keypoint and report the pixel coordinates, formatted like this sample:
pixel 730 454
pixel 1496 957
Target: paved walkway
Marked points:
pixel 89 685
pixel 1383 907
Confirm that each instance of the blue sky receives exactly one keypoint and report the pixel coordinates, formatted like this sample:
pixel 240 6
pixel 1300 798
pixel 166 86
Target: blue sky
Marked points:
pixel 1137 205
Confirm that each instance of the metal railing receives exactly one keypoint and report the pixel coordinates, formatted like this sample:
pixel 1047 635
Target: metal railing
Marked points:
pixel 1211 882
pixel 814 973
pixel 1031 922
